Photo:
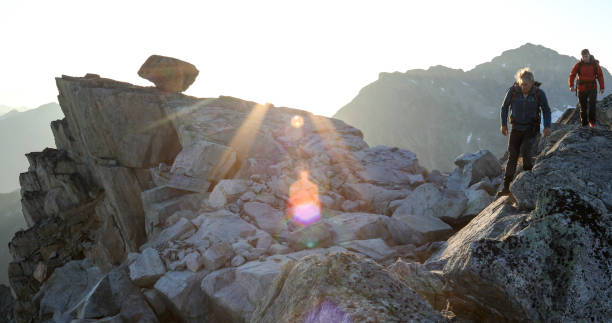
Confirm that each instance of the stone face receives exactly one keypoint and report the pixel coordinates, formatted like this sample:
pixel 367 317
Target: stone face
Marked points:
pixel 226 191
pixel 482 163
pixel 108 296
pixel 169 74
pixel 376 249
pixel 430 284
pixel 265 217
pixel 182 294
pixel 194 261
pixel 147 268
pixel 38 251
pixel 478 200
pixel 318 287
pixel 102 115
pixel 580 161
pixel 221 226
pixel 123 191
pixel 377 198
pixel 451 206
pixel 546 265
pixel 217 255
pixel 136 309
pixel 317 235
pixel 177 230
pixel 53 183
pixel 417 229
pixel 236 291
pixel 358 226
pixel 200 163
pixel 158 204
pixel 59 302
pixel 428 200
pixel 389 166
pixel 421 201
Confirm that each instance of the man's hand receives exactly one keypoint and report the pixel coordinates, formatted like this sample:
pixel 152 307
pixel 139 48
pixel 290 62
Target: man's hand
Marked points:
pixel 572 89
pixel 546 132
pixel 601 91
pixel 504 130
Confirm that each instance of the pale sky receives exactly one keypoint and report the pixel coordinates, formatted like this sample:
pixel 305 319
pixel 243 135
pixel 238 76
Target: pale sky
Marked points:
pixel 311 55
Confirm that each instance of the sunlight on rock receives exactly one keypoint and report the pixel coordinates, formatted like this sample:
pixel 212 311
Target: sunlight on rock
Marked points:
pixel 297 121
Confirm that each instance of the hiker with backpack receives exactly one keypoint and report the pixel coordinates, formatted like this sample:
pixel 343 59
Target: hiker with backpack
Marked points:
pixel 588 72
pixel 525 100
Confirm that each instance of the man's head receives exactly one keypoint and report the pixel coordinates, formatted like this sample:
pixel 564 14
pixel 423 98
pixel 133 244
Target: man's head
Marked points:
pixel 586 56
pixel 524 78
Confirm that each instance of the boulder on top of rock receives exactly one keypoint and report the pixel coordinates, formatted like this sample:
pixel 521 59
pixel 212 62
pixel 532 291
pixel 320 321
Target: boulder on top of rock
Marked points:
pixel 169 74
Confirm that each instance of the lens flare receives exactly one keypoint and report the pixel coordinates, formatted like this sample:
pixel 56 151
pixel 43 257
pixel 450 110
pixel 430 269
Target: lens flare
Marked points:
pixel 304 205
pixel 328 312
pixel 297 121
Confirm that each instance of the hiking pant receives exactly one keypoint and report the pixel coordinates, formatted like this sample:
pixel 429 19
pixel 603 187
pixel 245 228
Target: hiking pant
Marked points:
pixel 587 100
pixel 520 142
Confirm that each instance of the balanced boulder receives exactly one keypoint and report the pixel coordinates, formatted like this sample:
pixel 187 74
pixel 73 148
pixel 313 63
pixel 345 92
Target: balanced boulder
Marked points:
pixel 169 74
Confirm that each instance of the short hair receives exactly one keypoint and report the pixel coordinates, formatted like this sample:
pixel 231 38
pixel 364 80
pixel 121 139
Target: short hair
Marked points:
pixel 524 75
pixel 584 51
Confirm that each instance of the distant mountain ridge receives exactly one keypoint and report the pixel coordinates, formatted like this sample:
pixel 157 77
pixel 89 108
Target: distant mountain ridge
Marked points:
pixel 20 133
pixel 441 112
pixel 4 109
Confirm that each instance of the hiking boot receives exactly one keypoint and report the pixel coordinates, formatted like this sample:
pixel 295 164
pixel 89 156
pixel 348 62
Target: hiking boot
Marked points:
pixel 592 124
pixel 503 192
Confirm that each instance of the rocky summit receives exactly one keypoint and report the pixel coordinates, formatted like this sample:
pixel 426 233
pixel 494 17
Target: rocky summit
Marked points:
pixel 161 207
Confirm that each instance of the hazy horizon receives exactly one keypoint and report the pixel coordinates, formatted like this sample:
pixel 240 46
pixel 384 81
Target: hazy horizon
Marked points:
pixel 314 56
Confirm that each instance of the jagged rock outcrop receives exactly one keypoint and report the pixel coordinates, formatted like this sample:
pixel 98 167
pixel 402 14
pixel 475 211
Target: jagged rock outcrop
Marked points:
pixel 202 188
pixel 333 289
pixel 188 208
pixel 6 304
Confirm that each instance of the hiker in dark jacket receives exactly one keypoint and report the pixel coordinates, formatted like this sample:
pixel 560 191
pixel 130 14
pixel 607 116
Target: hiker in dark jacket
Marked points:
pixel 525 100
pixel 589 73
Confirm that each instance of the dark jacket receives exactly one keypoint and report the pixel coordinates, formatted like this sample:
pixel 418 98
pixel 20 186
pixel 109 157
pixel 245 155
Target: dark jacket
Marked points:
pixel 525 111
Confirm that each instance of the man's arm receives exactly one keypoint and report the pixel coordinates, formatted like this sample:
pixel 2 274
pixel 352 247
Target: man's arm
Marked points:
pixel 545 109
pixel 505 107
pixel 572 77
pixel 600 78
pixel 546 112
pixel 504 112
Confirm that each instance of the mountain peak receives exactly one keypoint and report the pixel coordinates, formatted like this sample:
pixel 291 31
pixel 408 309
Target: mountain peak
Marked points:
pixel 527 50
